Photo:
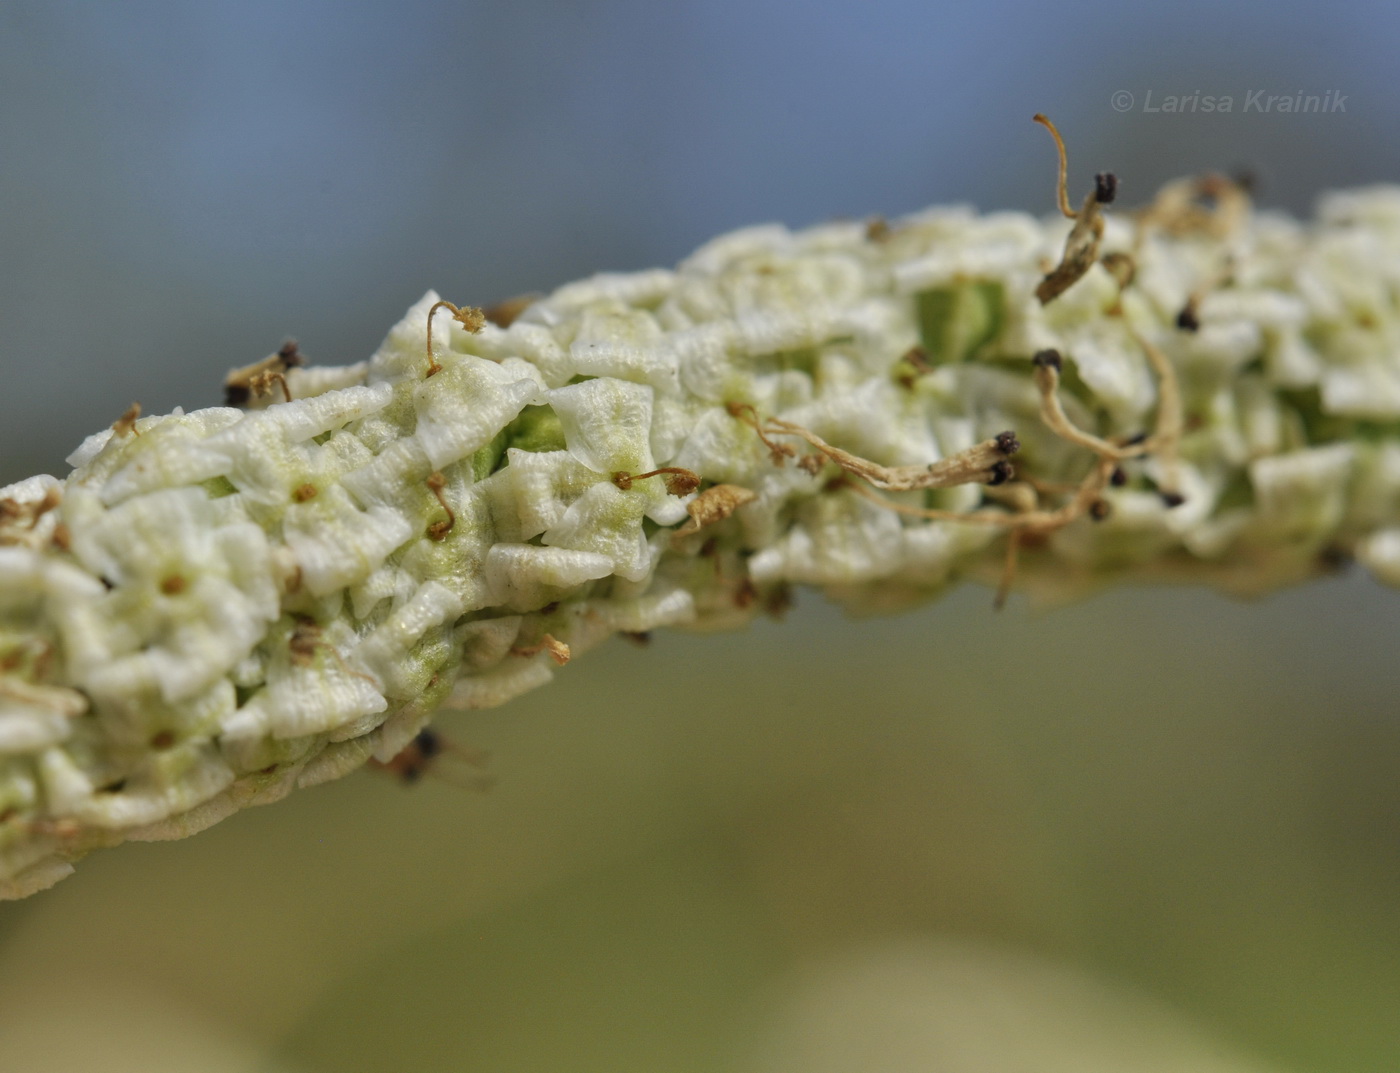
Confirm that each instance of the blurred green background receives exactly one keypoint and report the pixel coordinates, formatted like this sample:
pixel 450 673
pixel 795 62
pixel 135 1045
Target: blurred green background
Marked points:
pixel 1155 831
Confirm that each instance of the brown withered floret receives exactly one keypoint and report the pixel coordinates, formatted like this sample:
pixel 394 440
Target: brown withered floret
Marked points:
pixel 979 464
pixel 713 505
pixel 241 385
pixel 1082 245
pixel 504 314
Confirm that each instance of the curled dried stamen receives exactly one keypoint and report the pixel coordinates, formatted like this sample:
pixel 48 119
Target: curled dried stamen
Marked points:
pixel 983 463
pixel 1082 245
pixel 261 384
pixel 438 530
pixel 1047 380
pixel 1166 436
pixel 678 481
pixel 469 317
pixel 778 453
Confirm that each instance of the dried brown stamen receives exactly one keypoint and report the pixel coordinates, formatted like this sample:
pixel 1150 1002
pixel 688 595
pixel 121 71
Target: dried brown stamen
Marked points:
pixel 504 314
pixel 1082 245
pixel 256 379
pixel 469 317
pixel 678 481
pixel 778 453
pixel 438 530
pixel 983 463
pixel 126 424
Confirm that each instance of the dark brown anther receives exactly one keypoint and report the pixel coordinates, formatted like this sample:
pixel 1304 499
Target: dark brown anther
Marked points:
pixel 1001 473
pixel 173 585
pixel 1100 509
pixel 778 601
pixel 1187 320
pixel 1105 187
pixel 236 394
pixel 162 740
pixel 304 492
pixel 1007 443
pixel 242 385
pixel 1118 477
pixel 1172 499
pixel 623 480
pixel 1047 359
pixel 640 638
pixel 1135 439
pixel 1334 558
pixel 745 594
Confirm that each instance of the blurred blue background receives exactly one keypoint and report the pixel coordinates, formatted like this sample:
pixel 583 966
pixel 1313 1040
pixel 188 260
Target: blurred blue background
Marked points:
pixel 182 185
pixel 1186 795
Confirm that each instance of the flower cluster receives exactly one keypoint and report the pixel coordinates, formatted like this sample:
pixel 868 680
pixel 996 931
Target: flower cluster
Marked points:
pixel 216 607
